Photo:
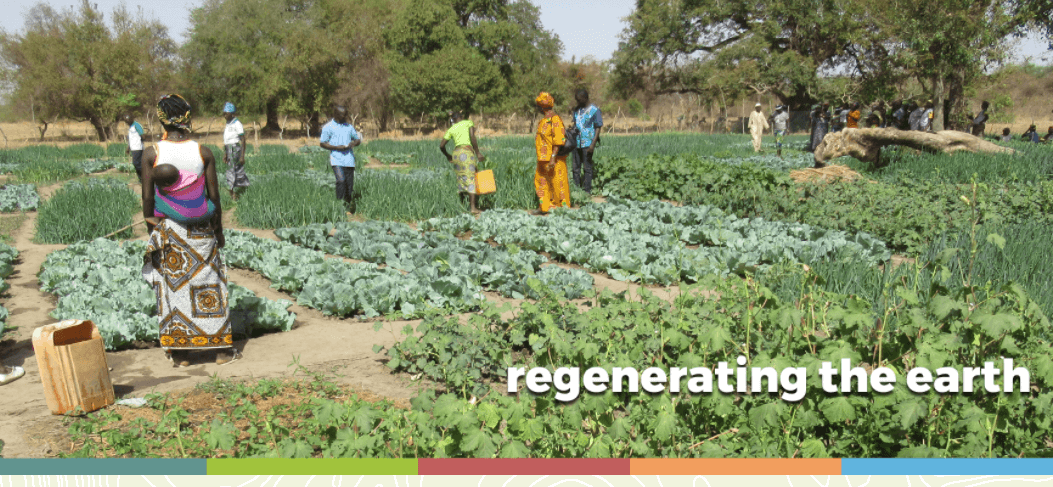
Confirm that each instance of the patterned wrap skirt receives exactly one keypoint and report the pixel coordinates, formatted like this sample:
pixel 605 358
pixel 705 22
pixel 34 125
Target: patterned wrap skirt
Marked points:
pixel 185 270
pixel 465 164
pixel 236 177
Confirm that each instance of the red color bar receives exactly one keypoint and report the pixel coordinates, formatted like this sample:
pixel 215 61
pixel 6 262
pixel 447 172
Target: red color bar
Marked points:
pixel 736 466
pixel 523 466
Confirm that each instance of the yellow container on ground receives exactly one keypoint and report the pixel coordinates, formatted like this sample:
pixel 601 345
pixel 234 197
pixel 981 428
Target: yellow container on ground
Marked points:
pixel 72 362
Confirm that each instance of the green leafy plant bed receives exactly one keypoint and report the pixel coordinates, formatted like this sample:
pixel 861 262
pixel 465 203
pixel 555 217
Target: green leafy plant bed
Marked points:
pixel 19 197
pixel 383 194
pixel 86 209
pixel 102 280
pixel 649 242
pixel 927 327
pixel 907 215
pixel 438 255
pixel 275 202
pixel 338 288
pixel 8 254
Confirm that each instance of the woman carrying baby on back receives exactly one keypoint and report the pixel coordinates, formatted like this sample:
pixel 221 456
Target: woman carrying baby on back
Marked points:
pixel 183 265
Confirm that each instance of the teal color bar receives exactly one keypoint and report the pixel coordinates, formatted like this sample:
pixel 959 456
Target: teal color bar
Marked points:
pixel 103 466
pixel 947 466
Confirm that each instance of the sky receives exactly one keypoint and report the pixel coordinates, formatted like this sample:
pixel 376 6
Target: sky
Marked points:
pixel 586 27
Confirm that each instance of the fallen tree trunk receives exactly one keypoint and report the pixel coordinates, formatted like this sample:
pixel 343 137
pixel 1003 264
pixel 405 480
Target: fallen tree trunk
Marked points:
pixel 866 144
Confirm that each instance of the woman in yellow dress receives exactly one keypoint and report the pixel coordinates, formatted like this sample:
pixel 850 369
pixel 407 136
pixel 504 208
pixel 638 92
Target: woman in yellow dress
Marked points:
pixel 550 179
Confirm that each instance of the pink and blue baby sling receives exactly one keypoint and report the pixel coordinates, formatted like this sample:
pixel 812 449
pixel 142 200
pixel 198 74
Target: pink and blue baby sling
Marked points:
pixel 185 201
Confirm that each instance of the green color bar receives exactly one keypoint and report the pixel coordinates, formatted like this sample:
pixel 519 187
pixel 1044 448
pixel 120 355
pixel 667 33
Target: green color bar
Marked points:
pixel 311 466
pixel 102 466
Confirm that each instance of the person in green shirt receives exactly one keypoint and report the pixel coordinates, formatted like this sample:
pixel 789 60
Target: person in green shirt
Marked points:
pixel 466 155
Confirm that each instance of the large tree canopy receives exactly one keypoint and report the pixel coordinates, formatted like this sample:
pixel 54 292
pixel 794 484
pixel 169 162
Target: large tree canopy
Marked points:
pixel 795 48
pixel 470 55
pixel 72 64
pixel 288 55
pixel 732 47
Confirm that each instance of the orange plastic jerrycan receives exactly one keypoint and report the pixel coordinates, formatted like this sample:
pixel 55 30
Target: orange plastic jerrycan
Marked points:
pixel 73 368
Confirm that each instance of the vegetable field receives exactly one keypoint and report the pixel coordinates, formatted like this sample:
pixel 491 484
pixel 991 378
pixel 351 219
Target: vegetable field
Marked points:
pixel 691 251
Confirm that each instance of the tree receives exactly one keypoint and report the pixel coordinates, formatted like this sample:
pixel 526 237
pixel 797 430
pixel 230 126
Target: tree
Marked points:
pixel 72 65
pixel 731 48
pixel 946 45
pixel 280 55
pixel 471 55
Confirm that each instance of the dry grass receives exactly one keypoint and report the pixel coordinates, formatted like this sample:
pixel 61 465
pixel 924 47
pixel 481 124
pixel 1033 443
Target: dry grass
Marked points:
pixel 827 174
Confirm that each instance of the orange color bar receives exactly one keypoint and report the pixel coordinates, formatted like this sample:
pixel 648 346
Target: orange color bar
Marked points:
pixel 735 466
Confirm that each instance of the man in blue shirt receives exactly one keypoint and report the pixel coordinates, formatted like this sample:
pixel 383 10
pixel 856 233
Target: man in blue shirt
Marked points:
pixel 338 137
pixel 588 119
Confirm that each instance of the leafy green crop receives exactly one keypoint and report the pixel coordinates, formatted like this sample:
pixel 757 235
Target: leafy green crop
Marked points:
pixel 101 280
pixel 21 197
pixel 935 326
pixel 86 209
pixel 654 242
pixel 436 255
pixel 8 254
pixel 338 288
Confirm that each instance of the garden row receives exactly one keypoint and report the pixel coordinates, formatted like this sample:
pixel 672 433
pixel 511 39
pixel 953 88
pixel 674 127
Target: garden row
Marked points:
pixel 658 243
pixel 923 324
pixel 101 280
pixel 439 273
pixel 8 254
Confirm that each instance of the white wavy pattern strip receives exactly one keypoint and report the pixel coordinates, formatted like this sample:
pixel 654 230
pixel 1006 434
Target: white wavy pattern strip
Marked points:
pixel 521 481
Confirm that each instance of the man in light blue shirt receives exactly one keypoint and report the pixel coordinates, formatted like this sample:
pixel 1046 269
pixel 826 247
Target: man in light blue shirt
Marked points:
pixel 339 137
pixel 588 120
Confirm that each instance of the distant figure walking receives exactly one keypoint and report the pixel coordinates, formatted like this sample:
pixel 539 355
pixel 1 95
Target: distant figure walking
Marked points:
pixel 550 179
pixel 588 119
pixel 466 156
pixel 135 144
pixel 234 151
pixel 980 122
pixel 339 137
pixel 757 125
pixel 780 121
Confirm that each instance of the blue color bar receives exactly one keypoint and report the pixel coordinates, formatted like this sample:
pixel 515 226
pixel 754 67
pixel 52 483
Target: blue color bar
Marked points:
pixel 946 466
pixel 102 466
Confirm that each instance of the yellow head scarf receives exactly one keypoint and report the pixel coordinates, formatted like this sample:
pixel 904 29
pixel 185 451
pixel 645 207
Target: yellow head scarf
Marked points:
pixel 545 100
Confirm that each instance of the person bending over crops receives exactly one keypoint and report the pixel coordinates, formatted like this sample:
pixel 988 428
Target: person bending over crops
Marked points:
pixel 182 262
pixel 1049 135
pixel 550 178
pixel 466 155
pixel 234 151
pixel 339 137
